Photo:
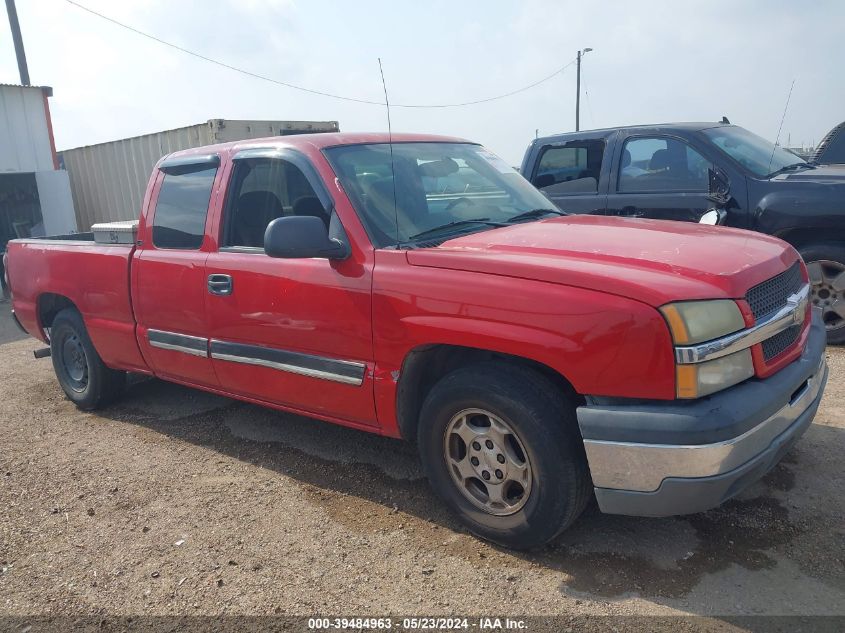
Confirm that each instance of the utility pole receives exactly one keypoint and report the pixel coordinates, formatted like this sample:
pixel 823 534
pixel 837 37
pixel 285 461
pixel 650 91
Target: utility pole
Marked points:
pixel 18 40
pixel 578 90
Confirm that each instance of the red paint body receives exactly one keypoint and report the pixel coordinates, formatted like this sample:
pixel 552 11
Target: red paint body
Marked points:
pixel 577 294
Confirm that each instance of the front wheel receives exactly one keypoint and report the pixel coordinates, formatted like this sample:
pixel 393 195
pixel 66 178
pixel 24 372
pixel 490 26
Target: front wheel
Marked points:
pixel 499 444
pixel 81 372
pixel 826 267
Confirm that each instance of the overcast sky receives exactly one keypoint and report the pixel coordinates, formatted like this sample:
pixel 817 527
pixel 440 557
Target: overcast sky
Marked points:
pixel 652 62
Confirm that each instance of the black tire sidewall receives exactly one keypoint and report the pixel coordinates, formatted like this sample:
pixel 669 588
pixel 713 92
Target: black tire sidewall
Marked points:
pixel 101 380
pixel 555 463
pixel 832 252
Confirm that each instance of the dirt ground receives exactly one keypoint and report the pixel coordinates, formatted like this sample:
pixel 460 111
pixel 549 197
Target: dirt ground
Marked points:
pixel 174 501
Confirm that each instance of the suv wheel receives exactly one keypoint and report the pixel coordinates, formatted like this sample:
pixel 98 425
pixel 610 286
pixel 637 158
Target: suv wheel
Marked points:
pixel 826 266
pixel 500 445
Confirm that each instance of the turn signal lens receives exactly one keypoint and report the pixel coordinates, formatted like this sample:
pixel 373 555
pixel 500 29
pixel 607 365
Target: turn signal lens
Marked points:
pixel 694 322
pixel 702 379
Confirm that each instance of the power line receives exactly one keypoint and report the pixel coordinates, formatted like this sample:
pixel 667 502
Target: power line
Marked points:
pixel 321 93
pixel 502 96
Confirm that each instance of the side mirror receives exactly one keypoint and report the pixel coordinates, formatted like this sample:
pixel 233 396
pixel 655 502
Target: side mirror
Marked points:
pixel 301 237
pixel 543 180
pixel 713 217
pixel 719 187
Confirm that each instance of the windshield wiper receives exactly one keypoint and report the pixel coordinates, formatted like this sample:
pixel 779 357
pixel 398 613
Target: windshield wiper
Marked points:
pixel 791 167
pixel 454 223
pixel 533 213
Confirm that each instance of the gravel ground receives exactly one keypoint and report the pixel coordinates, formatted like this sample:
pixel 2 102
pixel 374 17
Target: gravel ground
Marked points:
pixel 174 501
pixel 8 330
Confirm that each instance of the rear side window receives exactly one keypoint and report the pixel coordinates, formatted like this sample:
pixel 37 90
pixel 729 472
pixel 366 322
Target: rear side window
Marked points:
pixel 571 168
pixel 181 209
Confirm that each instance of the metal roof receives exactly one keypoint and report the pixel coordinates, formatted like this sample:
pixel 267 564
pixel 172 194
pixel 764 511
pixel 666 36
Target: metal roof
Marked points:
pixel 45 89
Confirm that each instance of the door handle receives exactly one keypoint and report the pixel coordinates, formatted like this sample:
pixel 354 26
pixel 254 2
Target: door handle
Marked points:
pixel 220 284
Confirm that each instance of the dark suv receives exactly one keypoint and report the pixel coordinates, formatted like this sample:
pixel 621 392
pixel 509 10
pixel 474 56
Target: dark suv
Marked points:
pixel 679 171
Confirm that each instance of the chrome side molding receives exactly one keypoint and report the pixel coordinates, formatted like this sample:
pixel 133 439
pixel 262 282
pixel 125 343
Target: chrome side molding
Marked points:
pixel 343 371
pixel 193 345
pixel 792 313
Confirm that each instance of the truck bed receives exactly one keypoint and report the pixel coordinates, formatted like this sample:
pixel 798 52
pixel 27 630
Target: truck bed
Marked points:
pixel 92 277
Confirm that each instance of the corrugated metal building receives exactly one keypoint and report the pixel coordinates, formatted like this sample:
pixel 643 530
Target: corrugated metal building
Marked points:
pixel 26 137
pixel 108 180
pixel 34 196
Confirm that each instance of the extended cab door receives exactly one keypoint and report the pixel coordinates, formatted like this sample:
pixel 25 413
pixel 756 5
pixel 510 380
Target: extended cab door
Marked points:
pixel 658 176
pixel 169 283
pixel 572 173
pixel 291 332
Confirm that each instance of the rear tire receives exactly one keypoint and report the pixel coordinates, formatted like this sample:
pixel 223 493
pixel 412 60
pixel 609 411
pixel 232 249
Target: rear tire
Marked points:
pixel 826 265
pixel 525 435
pixel 83 376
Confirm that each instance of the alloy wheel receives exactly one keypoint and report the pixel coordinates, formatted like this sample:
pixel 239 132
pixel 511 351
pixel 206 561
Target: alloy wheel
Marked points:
pixel 487 462
pixel 827 279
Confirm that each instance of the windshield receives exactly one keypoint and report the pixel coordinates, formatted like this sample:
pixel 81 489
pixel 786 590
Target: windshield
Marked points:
pixel 757 154
pixel 436 184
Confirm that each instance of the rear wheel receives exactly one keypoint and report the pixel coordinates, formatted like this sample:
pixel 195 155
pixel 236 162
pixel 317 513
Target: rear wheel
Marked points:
pixel 81 372
pixel 500 445
pixel 826 267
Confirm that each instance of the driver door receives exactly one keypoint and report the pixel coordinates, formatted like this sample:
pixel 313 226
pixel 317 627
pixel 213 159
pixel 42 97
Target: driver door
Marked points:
pixel 660 177
pixel 290 332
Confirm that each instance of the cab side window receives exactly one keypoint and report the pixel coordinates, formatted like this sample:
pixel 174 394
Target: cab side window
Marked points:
pixel 661 164
pixel 181 208
pixel 571 168
pixel 261 190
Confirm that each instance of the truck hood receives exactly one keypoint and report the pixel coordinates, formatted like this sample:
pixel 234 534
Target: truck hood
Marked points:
pixel 826 174
pixel 654 261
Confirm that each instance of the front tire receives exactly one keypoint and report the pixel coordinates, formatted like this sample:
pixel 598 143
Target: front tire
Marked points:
pixel 500 446
pixel 83 376
pixel 826 266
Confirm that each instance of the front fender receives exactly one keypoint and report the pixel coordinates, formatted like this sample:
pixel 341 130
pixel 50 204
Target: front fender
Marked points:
pixel 817 207
pixel 602 344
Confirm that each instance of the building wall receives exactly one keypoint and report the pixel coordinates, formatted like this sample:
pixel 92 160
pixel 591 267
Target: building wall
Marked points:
pixel 25 144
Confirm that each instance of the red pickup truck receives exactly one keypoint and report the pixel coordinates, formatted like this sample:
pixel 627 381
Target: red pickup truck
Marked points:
pixel 422 289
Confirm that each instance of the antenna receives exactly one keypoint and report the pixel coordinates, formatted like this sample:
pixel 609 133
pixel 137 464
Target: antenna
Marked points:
pixel 777 140
pixel 390 144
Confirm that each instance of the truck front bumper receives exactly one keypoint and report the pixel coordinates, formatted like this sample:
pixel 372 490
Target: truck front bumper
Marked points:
pixel 669 458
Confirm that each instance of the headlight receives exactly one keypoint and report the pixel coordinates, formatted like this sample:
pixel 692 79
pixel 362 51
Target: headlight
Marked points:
pixel 694 322
pixel 701 379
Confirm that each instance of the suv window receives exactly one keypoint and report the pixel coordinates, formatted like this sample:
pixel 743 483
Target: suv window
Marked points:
pixel 571 168
pixel 661 164
pixel 261 190
pixel 182 205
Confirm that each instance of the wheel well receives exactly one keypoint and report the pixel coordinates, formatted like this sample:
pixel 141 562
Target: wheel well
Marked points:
pixel 805 237
pixel 49 305
pixel 424 366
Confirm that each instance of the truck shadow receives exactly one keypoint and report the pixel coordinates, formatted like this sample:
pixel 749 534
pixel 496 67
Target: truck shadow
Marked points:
pixel 601 555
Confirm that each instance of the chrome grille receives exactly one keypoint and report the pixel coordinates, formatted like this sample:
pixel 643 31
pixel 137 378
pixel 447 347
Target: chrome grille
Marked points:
pixel 770 296
pixel 780 342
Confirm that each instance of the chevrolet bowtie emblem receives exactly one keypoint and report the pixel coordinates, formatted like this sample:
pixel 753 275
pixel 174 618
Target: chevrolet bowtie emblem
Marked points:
pixel 798 303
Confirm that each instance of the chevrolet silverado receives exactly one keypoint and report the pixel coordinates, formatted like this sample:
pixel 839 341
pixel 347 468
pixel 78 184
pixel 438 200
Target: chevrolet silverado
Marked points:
pixel 418 287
